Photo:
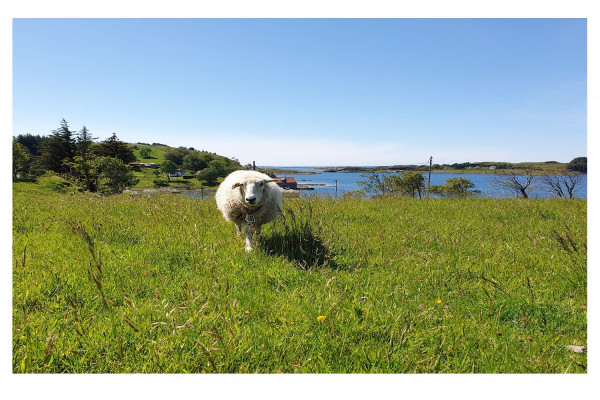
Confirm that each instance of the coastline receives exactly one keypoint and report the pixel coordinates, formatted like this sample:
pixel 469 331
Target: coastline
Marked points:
pixel 391 170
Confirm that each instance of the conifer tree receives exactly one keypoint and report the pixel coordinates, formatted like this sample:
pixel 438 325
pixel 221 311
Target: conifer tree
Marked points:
pixel 113 147
pixel 58 150
pixel 84 142
pixel 82 166
pixel 32 143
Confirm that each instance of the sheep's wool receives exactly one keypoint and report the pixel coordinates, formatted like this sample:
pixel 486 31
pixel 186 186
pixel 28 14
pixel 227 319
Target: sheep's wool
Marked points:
pixel 250 217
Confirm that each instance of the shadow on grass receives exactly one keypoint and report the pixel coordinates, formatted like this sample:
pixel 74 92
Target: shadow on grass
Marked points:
pixel 26 179
pixel 298 237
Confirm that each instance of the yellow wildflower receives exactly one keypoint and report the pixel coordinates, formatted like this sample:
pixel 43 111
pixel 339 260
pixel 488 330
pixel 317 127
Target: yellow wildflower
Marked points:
pixel 321 318
pixel 439 301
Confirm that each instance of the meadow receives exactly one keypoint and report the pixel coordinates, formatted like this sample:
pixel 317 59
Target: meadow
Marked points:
pixel 139 283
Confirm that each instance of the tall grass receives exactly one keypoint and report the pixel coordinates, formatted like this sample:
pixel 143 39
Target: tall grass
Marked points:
pixel 160 283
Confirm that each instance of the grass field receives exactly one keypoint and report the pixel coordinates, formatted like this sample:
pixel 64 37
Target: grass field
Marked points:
pixel 162 284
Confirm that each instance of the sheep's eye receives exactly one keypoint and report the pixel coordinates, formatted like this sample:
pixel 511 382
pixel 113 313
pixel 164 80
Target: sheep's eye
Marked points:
pixel 262 184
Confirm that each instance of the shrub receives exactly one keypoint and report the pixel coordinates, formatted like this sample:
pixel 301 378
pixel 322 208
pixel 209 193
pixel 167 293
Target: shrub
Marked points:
pixel 454 187
pixel 209 175
pixel 160 182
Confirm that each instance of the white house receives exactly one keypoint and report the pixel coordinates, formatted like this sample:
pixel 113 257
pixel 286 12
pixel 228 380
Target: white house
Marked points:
pixel 177 174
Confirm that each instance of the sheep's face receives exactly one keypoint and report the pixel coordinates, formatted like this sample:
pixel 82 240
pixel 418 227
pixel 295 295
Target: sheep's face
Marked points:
pixel 252 191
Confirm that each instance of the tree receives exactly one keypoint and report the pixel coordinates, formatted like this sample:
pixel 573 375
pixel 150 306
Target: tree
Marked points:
pixel 84 172
pixel 578 164
pixel 391 185
pixel 562 186
pixel 20 159
pixel 209 175
pixel 215 169
pixel 408 184
pixel 454 187
pixel 145 152
pixel 518 181
pixel 411 184
pixel 113 147
pixel 31 143
pixel 56 153
pixel 83 143
pixel 194 161
pixel 176 155
pixel 207 157
pixel 168 167
pixel 219 166
pixel 113 175
pixel 375 183
pixel 82 164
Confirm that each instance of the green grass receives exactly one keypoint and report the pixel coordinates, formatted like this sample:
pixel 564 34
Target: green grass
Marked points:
pixel 162 284
pixel 157 152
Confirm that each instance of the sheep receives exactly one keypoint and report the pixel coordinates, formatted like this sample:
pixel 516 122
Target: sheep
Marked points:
pixel 249 199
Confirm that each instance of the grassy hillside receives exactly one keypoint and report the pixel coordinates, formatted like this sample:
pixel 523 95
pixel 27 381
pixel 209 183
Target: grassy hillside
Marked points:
pixel 161 283
pixel 147 176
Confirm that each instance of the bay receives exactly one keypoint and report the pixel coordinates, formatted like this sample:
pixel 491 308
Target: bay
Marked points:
pixel 324 183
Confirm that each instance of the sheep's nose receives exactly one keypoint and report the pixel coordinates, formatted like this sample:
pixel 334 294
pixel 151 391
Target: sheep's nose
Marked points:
pixel 251 200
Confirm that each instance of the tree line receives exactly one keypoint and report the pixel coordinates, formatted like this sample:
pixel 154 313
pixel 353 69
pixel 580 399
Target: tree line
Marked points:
pixel 412 184
pixel 96 167
pixel 103 167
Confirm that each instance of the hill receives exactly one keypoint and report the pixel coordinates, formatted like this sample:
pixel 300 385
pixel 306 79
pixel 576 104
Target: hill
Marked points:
pixel 102 166
pixel 157 153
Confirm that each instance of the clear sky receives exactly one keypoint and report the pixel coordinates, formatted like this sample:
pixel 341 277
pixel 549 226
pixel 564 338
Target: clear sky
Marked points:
pixel 312 91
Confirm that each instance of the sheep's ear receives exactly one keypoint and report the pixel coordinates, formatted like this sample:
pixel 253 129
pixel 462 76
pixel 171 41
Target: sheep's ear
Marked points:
pixel 236 185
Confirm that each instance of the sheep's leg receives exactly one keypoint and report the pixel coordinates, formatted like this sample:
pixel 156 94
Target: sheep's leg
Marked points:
pixel 238 228
pixel 248 232
pixel 257 230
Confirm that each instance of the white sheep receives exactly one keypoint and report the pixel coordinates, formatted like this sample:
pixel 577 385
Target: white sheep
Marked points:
pixel 249 199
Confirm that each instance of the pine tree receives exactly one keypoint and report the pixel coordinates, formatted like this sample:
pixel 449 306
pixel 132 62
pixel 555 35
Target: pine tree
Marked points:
pixel 82 166
pixel 31 142
pixel 58 150
pixel 113 147
pixel 84 143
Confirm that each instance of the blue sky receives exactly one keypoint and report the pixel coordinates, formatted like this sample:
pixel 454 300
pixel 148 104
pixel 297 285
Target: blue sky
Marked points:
pixel 312 91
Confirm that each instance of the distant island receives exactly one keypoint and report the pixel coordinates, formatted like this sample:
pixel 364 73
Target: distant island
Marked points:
pixel 578 165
